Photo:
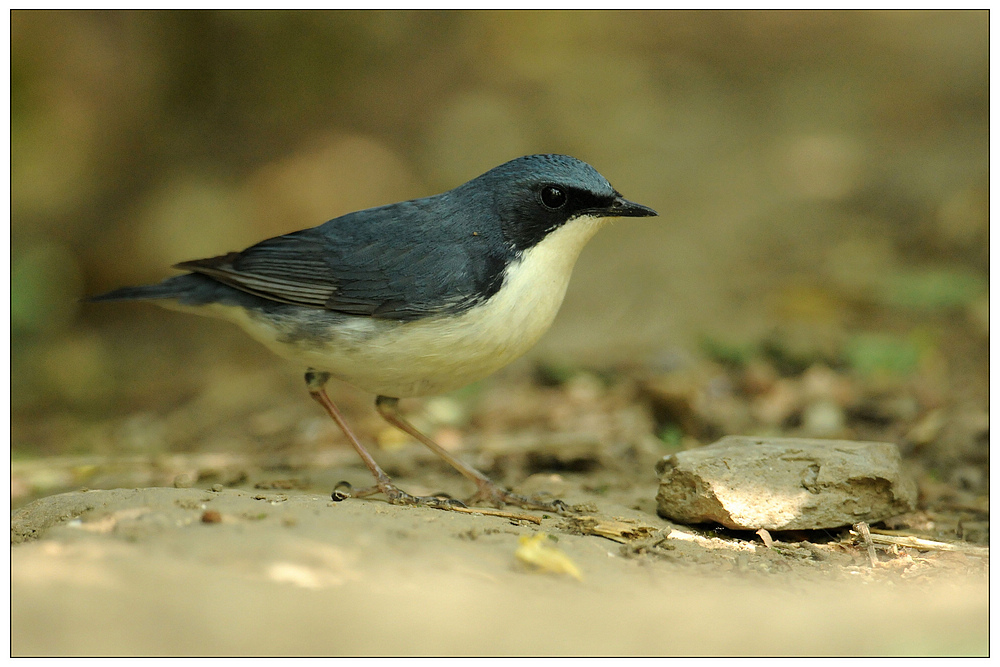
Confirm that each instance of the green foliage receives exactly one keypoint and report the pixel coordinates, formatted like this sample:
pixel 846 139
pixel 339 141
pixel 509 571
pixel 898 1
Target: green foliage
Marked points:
pixel 934 289
pixel 727 352
pixel 873 353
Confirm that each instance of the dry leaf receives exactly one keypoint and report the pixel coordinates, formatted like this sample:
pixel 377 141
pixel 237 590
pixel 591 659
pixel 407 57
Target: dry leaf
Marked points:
pixel 535 551
pixel 618 530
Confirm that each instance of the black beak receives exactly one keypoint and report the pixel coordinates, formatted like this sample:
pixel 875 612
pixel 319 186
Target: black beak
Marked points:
pixel 623 208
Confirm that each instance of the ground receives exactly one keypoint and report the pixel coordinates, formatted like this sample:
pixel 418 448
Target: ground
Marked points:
pixel 166 571
pixel 233 549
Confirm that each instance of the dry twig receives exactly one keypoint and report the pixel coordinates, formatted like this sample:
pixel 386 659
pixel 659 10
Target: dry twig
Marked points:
pixel 866 537
pixel 495 512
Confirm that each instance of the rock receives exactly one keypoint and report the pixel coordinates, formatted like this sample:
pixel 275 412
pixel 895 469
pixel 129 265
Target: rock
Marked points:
pixel 784 483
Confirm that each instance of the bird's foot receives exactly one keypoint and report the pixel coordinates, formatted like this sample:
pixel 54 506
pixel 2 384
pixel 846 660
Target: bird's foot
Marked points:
pixel 498 496
pixel 396 496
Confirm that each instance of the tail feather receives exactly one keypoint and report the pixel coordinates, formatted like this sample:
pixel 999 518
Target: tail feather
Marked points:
pixel 141 293
pixel 190 289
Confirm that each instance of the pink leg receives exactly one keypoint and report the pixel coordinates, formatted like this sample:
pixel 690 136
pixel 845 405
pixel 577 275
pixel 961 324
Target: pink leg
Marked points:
pixel 487 489
pixel 316 382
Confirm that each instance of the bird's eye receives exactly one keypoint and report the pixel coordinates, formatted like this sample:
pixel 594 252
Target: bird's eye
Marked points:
pixel 553 197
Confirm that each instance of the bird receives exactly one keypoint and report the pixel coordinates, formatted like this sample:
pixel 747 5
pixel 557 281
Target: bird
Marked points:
pixel 415 298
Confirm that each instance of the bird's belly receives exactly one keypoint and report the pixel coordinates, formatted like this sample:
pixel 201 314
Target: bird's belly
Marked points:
pixel 402 359
pixel 432 356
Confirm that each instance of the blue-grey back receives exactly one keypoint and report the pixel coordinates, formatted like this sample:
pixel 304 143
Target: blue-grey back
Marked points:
pixel 435 255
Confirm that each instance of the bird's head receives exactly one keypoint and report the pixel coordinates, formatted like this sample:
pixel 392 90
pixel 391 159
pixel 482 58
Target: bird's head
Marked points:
pixel 535 195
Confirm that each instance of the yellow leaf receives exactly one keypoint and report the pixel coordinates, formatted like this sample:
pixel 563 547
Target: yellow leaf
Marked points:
pixel 534 551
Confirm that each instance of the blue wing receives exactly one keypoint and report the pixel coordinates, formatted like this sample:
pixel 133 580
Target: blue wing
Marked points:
pixel 391 262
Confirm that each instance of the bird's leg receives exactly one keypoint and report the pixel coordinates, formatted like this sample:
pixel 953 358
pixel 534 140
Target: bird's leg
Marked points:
pixel 316 381
pixel 487 490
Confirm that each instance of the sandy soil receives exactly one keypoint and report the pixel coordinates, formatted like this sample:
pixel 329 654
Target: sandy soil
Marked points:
pixel 196 571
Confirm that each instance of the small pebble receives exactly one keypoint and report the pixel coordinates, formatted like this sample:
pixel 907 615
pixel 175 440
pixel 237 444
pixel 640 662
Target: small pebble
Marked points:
pixel 211 516
pixel 185 480
pixel 823 418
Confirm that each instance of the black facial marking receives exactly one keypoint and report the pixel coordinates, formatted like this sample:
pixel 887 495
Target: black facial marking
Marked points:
pixel 540 208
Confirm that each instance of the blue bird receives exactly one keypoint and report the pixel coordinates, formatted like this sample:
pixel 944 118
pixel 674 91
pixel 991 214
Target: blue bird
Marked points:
pixel 415 298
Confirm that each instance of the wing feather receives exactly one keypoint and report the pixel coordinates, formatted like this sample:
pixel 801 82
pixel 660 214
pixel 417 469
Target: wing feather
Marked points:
pixel 378 262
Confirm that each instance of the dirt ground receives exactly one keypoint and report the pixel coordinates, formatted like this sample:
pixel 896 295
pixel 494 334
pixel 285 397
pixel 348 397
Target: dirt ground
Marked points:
pixel 153 572
pixel 241 551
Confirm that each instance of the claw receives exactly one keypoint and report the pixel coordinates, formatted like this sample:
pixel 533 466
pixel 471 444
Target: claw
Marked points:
pixel 560 507
pixel 342 491
pixel 397 496
pixel 448 503
pixel 499 497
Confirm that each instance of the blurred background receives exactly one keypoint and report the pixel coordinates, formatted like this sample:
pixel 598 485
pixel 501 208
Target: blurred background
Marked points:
pixel 822 180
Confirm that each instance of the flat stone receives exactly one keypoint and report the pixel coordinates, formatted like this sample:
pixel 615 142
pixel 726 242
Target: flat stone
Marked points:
pixel 784 483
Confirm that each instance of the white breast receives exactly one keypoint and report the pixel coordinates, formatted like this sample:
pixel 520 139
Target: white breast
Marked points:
pixel 437 355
